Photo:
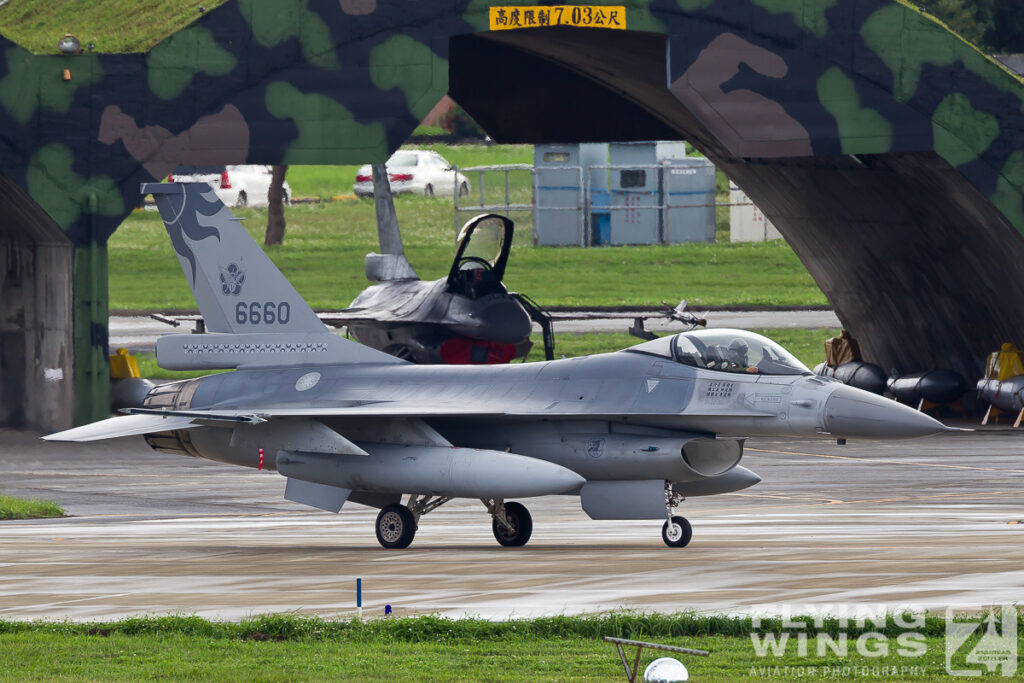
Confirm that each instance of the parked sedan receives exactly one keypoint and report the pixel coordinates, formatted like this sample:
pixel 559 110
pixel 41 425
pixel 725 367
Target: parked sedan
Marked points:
pixel 419 171
pixel 234 185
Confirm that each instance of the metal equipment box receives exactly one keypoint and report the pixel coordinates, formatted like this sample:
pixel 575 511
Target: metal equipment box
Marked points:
pixel 746 222
pixel 562 176
pixel 689 191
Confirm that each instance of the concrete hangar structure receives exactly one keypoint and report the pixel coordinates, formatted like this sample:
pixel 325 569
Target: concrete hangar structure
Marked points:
pixel 888 151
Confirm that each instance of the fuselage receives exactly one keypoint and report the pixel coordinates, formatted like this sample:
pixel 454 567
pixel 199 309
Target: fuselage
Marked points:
pixel 413 318
pixel 559 410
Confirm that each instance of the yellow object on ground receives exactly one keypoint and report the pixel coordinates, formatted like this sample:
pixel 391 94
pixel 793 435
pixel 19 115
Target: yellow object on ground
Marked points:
pixel 1006 363
pixel 123 365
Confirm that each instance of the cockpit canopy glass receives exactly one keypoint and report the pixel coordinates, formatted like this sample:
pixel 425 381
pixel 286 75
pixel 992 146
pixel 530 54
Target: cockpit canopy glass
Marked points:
pixel 727 351
pixel 484 242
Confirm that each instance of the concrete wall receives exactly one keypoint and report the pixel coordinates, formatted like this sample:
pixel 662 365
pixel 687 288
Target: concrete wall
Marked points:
pixel 36 364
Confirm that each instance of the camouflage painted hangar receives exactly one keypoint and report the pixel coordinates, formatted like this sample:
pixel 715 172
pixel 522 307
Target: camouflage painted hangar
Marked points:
pixel 889 152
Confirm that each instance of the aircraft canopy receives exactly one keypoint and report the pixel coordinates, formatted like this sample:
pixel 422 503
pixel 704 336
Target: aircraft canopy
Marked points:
pixel 727 351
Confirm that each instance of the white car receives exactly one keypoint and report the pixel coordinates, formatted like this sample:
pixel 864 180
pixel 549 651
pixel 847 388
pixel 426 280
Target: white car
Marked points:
pixel 419 171
pixel 234 185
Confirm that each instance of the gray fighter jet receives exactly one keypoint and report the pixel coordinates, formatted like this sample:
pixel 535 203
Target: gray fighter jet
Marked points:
pixel 466 317
pixel 631 433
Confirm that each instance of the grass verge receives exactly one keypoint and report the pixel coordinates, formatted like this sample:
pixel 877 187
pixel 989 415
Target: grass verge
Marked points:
pixel 277 647
pixel 21 508
pixel 110 25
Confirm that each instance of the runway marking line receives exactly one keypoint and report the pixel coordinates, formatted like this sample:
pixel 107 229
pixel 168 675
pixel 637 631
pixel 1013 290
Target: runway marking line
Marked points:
pixel 885 461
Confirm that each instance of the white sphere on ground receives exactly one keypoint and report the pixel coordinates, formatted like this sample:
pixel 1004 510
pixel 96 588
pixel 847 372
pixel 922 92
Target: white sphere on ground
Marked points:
pixel 666 670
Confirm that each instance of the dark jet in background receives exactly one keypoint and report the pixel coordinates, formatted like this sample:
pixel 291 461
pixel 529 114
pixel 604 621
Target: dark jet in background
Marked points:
pixel 467 317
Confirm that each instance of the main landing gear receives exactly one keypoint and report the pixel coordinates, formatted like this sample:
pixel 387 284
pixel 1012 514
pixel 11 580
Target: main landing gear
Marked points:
pixel 676 532
pixel 396 524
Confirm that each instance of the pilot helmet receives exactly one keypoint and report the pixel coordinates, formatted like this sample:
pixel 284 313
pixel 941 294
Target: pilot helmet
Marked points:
pixel 739 349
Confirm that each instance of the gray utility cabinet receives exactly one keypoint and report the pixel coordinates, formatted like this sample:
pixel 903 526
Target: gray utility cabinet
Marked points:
pixel 689 189
pixel 658 194
pixel 635 186
pixel 560 184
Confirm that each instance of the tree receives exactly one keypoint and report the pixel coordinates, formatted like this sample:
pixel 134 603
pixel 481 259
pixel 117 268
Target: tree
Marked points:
pixel 966 17
pixel 1006 34
pixel 275 207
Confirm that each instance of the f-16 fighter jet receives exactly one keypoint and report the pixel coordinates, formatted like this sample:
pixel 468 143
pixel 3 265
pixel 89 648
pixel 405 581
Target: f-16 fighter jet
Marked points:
pixel 631 433
pixel 467 317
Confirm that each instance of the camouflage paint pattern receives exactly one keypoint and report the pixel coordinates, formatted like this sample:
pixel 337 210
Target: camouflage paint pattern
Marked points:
pixel 346 82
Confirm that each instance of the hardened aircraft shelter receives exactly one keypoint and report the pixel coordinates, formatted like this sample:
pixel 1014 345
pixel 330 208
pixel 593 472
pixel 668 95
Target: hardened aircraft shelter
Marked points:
pixel 888 151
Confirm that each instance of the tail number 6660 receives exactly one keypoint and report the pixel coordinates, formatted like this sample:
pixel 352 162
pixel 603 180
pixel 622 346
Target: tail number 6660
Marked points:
pixel 267 313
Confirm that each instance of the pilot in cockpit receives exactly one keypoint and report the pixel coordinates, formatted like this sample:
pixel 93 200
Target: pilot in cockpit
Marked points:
pixel 738 354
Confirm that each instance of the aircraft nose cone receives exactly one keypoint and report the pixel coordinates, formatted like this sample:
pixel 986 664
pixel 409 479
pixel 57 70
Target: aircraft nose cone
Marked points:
pixel 851 412
pixel 504 322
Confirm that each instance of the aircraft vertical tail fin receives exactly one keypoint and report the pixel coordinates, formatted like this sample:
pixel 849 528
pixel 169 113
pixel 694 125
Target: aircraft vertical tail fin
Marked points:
pixel 391 263
pixel 237 287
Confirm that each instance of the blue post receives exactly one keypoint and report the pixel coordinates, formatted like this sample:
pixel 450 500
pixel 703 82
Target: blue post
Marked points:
pixel 359 598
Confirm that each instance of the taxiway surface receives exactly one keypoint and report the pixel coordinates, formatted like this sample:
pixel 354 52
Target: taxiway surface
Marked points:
pixel 935 522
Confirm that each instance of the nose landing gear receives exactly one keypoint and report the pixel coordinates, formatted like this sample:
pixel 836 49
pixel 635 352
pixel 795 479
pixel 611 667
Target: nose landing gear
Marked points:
pixel 676 532
pixel 511 522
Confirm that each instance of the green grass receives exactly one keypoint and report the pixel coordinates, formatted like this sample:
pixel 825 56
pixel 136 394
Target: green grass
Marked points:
pixel 277 647
pixel 20 508
pixel 807 345
pixel 323 252
pixel 111 25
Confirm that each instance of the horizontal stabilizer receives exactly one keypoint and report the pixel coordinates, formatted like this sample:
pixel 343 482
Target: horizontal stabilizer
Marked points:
pixel 246 416
pixel 128 425
pixel 229 351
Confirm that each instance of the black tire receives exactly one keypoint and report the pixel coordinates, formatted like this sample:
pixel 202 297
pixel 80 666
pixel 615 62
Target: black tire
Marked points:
pixel 463 190
pixel 395 526
pixel 428 191
pixel 522 526
pixel 243 199
pixel 685 533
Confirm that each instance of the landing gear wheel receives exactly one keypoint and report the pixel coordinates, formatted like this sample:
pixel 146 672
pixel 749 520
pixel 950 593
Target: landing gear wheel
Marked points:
pixel 429 190
pixel 395 526
pixel 678 533
pixel 463 190
pixel 522 526
pixel 243 199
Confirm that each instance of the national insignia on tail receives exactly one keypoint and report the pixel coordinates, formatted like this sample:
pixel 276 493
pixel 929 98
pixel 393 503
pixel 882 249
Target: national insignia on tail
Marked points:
pixel 231 279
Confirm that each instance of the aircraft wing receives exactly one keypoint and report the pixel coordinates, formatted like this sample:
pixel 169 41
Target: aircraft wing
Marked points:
pixel 399 409
pixel 382 409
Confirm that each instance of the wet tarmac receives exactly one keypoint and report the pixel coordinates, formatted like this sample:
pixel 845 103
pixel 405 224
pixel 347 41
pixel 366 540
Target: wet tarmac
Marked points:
pixel 932 523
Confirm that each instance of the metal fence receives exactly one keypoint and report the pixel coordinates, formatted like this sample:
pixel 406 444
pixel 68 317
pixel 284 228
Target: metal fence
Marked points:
pixel 466 205
pixel 583 199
